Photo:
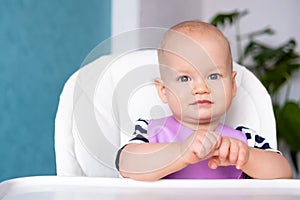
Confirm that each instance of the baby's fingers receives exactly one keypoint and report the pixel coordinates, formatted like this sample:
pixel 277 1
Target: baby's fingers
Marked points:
pixel 224 149
pixel 213 163
pixel 242 158
pixel 209 143
pixel 214 137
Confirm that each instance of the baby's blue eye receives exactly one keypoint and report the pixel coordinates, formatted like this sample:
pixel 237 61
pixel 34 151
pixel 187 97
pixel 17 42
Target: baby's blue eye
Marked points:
pixel 184 78
pixel 214 76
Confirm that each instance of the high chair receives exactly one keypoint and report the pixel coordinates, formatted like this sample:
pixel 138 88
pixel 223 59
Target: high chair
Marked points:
pixel 100 102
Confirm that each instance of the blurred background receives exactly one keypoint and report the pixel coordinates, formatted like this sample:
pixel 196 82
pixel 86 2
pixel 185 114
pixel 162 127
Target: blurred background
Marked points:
pixel 43 42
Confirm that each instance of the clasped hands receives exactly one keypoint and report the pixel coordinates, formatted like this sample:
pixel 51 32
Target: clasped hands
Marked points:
pixel 222 151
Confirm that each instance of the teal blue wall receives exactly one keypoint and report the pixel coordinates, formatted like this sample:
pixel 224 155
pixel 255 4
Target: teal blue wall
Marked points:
pixel 42 42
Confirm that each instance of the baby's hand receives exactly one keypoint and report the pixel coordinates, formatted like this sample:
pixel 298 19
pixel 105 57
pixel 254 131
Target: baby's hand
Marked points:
pixel 230 152
pixel 200 145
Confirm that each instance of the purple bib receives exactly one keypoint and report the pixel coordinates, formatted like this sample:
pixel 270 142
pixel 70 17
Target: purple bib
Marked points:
pixel 169 130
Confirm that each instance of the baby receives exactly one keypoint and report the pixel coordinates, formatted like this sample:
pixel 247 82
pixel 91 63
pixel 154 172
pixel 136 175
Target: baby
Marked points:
pixel 198 83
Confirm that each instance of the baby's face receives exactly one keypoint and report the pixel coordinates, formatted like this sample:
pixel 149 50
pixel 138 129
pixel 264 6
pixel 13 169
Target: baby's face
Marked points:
pixel 198 83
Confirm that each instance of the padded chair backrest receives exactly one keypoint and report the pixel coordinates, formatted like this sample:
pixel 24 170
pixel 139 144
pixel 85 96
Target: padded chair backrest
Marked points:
pixel 101 101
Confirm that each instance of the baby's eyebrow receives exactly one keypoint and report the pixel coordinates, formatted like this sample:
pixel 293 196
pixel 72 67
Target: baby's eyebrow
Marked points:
pixel 182 70
pixel 220 68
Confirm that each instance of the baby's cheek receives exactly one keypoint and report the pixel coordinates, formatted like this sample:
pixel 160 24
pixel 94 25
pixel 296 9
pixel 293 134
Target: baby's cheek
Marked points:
pixel 181 91
pixel 174 100
pixel 178 101
pixel 220 93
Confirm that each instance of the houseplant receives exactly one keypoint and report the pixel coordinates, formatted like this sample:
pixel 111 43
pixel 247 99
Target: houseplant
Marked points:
pixel 274 66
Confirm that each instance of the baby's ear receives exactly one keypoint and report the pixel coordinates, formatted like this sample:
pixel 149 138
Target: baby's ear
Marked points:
pixel 234 87
pixel 161 89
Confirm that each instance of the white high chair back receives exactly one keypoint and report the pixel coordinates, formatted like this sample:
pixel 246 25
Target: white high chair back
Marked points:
pixel 101 101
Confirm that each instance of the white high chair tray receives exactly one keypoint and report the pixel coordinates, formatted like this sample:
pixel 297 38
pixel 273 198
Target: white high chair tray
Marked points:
pixel 87 188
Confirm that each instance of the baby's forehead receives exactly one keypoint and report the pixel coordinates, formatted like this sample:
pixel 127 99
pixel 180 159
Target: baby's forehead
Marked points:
pixel 192 31
pixel 196 59
pixel 195 48
pixel 194 36
pixel 171 63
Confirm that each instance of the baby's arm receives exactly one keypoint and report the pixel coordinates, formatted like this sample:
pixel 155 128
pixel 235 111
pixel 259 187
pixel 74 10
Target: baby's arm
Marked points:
pixel 153 161
pixel 150 161
pixel 256 163
pixel 264 164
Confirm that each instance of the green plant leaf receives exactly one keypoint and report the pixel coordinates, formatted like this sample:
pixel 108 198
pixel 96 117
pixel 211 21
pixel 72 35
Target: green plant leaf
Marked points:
pixel 288 125
pixel 273 66
pixel 254 34
pixel 224 19
pixel 287 122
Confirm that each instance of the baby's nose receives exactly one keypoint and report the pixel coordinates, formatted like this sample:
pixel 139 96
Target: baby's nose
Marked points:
pixel 200 87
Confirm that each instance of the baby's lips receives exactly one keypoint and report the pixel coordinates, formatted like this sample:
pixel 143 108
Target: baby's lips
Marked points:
pixel 202 102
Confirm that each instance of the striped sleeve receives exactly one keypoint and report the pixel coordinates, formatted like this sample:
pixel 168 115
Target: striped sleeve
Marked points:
pixel 139 136
pixel 255 140
pixel 140 132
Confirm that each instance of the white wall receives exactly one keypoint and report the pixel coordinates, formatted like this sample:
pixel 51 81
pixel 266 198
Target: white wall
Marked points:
pixel 166 13
pixel 282 16
pixel 125 15
pixel 131 14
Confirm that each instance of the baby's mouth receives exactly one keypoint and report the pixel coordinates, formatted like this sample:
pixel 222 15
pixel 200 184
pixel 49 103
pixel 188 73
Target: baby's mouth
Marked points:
pixel 202 102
